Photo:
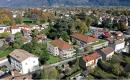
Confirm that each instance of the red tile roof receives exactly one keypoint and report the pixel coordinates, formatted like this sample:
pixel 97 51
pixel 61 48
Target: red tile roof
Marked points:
pixel 61 44
pixel 90 57
pixel 84 38
pixel 107 50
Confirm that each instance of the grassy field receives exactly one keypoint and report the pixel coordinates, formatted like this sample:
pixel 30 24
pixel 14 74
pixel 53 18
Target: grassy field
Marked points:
pixel 5 51
pixel 53 59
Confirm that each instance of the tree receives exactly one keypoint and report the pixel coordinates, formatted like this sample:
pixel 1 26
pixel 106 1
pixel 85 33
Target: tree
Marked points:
pixel 107 24
pixel 5 18
pixel 82 64
pixel 44 56
pixel 38 75
pixel 60 26
pixel 18 40
pixel 88 22
pixel 34 33
pixel 50 73
pixel 65 36
pixel 18 20
pixel 117 69
pixel 81 26
pixel 28 47
pixel 122 26
pixel 38 49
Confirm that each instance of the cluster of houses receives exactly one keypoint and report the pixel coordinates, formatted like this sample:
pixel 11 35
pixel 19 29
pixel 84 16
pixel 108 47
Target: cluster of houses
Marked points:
pixel 17 28
pixel 25 62
pixel 101 48
pixel 115 43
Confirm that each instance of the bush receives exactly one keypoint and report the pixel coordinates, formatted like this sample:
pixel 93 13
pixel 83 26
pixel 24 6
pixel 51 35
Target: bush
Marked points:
pixel 117 69
pixel 4 35
pixel 105 66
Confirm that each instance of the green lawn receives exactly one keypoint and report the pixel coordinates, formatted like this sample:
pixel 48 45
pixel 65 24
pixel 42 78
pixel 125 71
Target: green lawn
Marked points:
pixel 98 42
pixel 53 59
pixel 4 51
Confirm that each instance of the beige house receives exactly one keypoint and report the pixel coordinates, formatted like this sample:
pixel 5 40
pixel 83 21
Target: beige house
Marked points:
pixel 107 53
pixel 61 48
pixel 91 59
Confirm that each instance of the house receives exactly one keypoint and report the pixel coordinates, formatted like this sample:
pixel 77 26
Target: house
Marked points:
pixel 15 30
pixel 86 40
pixel 118 33
pixel 91 59
pixel 42 38
pixel 23 61
pixel 82 40
pixel 3 28
pixel 119 36
pixel 60 48
pixel 110 40
pixel 119 45
pixel 107 53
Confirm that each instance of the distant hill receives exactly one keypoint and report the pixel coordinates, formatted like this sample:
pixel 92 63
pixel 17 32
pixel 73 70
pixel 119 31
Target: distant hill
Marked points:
pixel 37 3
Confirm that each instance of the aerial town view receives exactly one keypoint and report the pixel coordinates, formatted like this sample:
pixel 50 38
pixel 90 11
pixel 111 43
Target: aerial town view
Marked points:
pixel 64 39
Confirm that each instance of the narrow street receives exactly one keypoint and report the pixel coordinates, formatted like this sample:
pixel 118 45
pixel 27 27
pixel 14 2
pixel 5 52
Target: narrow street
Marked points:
pixel 59 63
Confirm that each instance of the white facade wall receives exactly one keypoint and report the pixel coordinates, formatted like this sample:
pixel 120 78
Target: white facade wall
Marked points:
pixel 26 66
pixel 14 31
pixel 120 46
pixel 15 64
pixel 3 61
pixel 90 63
pixel 109 56
pixel 29 65
pixel 67 53
pixel 54 50
pixel 2 29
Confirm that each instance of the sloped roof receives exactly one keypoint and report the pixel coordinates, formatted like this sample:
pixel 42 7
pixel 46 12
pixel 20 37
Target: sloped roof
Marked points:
pixel 107 50
pixel 83 38
pixel 90 57
pixel 21 55
pixel 61 44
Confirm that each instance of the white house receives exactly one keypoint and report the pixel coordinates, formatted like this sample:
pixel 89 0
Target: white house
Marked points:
pixel 23 61
pixel 61 48
pixel 3 28
pixel 107 53
pixel 119 45
pixel 91 59
pixel 14 30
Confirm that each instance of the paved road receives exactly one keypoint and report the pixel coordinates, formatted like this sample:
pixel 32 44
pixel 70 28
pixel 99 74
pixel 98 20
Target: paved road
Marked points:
pixel 60 63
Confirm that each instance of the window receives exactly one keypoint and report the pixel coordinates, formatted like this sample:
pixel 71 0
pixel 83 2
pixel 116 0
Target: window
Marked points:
pixel 33 61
